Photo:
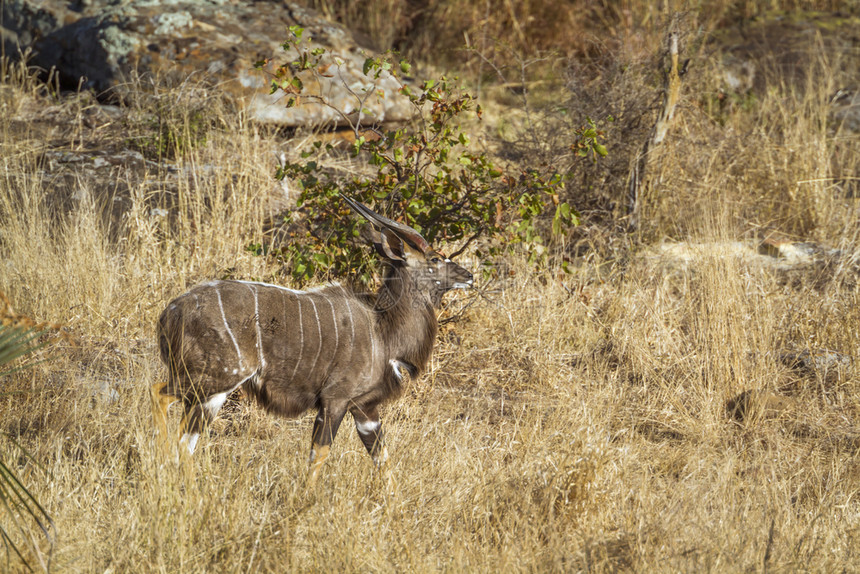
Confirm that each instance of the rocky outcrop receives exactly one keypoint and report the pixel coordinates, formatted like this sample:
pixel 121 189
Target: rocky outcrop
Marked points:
pixel 102 44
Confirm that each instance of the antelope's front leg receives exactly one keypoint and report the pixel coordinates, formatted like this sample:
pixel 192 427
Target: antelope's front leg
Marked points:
pixel 160 403
pixel 370 432
pixel 325 428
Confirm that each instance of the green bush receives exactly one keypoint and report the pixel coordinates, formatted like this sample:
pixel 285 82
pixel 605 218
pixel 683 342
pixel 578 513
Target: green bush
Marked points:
pixel 428 174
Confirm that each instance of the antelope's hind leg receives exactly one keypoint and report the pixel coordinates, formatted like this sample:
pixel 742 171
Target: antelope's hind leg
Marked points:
pixel 197 417
pixel 325 428
pixel 160 403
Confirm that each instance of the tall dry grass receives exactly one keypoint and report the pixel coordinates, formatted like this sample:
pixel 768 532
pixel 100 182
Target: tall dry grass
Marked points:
pixel 567 422
pixel 436 31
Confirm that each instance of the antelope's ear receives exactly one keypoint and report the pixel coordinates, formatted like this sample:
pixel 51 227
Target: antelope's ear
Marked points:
pixel 388 245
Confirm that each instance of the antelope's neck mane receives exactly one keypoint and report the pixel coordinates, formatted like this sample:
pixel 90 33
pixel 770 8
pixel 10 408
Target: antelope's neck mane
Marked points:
pixel 406 318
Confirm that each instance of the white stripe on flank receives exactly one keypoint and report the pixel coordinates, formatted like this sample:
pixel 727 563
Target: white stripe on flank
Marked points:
pixel 229 331
pixel 336 337
pixel 333 320
pixel 367 427
pixel 259 332
pixel 319 334
pixel 351 329
pixel 301 336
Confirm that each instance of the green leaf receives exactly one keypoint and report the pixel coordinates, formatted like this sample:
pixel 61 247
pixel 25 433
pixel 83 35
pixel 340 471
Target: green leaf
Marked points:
pixel 297 31
pixel 368 65
pixel 405 66
pixel 600 150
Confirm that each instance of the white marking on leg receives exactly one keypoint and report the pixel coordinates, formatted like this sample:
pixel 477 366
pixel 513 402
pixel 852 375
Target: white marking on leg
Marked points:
pixel 319 334
pixel 259 331
pixel 395 366
pixel 190 441
pixel 367 427
pixel 229 331
pixel 301 336
pixel 216 401
pixel 211 407
pixel 381 456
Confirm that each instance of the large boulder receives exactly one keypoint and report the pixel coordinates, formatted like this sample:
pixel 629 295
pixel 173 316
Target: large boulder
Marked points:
pixel 102 44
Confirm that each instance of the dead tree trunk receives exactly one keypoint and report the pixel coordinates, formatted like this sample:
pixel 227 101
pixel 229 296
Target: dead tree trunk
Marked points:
pixel 639 171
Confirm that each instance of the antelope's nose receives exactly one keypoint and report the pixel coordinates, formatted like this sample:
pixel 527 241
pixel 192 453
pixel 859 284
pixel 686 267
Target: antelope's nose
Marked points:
pixel 466 282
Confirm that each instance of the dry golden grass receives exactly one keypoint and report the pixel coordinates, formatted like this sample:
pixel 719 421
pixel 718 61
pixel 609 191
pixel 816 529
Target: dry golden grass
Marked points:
pixel 568 422
pixel 436 31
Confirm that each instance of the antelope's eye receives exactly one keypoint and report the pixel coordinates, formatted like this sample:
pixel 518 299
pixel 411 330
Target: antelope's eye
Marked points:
pixel 435 260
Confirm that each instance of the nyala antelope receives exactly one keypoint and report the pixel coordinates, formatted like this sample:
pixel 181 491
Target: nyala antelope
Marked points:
pixel 327 348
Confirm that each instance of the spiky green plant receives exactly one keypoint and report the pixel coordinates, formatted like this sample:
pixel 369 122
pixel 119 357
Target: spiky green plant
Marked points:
pixel 22 517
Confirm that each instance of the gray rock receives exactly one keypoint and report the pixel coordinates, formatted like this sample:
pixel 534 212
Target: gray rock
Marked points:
pixel 845 110
pixel 101 44
pixel 817 362
pixel 797 252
